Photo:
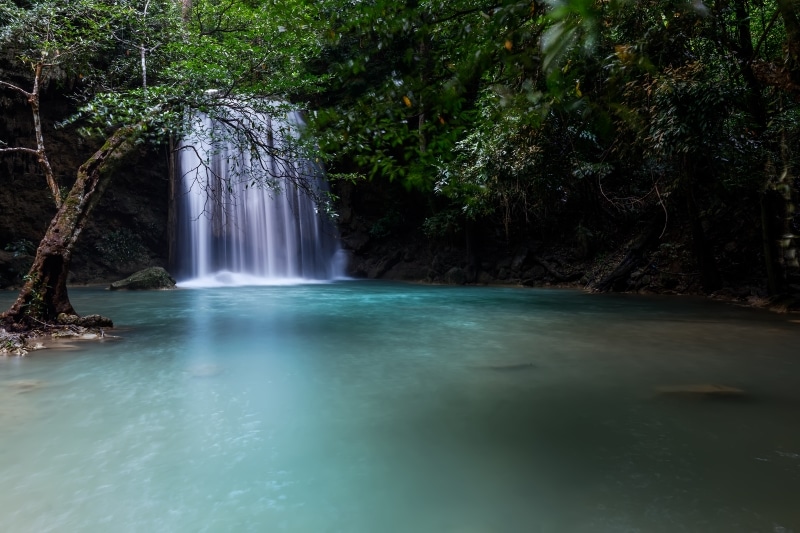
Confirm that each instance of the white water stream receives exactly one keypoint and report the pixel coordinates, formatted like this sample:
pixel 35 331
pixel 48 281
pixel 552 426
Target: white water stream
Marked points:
pixel 243 218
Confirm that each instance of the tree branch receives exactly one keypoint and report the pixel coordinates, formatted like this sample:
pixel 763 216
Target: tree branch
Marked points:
pixel 766 31
pixel 19 149
pixel 13 87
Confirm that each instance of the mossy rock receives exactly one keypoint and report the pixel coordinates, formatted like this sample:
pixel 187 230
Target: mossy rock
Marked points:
pixel 148 279
pixel 88 321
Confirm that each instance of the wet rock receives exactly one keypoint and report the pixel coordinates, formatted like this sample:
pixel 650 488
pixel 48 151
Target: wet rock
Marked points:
pixel 484 278
pixel 385 265
pixel 438 264
pixel 538 272
pixel 148 279
pixel 13 344
pixel 519 259
pixel 407 271
pixel 95 321
pixel 455 276
pixel 26 385
pixel 63 333
pixel 504 263
pixel 67 320
pixel 512 367
pixel 357 241
pixel 88 321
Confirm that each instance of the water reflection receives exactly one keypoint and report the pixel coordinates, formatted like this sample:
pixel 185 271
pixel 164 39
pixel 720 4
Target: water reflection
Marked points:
pixel 377 407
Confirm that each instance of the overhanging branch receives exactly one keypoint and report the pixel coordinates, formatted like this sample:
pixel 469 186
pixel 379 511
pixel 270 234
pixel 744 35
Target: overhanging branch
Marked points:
pixel 13 87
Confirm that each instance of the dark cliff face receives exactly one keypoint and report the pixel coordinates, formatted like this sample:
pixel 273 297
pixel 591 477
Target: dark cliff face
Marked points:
pixel 127 231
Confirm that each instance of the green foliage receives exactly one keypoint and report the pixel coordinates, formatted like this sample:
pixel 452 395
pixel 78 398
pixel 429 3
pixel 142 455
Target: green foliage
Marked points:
pixel 523 114
pixel 35 305
pixel 405 77
pixel 63 37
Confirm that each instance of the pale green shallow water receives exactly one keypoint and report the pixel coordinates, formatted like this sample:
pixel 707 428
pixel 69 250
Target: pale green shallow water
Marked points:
pixel 371 407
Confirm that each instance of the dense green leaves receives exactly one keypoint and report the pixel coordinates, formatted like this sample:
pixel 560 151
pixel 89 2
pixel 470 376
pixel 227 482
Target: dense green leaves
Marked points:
pixel 529 113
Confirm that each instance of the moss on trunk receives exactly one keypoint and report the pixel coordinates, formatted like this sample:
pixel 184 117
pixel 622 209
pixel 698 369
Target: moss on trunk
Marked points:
pixel 44 295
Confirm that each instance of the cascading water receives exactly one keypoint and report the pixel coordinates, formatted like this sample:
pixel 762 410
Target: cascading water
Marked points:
pixel 250 217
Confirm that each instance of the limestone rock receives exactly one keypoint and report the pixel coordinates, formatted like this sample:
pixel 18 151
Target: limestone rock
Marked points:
pixel 519 259
pixel 456 276
pixel 147 279
pixel 356 241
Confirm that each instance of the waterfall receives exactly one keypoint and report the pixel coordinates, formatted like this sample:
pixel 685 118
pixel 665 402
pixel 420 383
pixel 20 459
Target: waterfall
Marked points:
pixel 249 217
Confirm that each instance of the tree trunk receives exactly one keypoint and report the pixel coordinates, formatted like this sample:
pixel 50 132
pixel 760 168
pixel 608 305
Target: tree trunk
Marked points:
pixel 44 295
pixel 790 13
pixel 172 213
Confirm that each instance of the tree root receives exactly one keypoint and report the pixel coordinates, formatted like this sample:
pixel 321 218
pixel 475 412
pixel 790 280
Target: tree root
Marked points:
pixel 632 259
pixel 20 338
pixel 565 278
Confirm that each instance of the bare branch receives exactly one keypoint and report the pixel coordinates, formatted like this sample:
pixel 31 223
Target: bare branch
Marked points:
pixel 13 87
pixel 20 149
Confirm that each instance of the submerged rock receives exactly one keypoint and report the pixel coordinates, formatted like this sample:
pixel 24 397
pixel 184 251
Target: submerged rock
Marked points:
pixel 26 385
pixel 708 390
pixel 511 367
pixel 147 279
pixel 13 343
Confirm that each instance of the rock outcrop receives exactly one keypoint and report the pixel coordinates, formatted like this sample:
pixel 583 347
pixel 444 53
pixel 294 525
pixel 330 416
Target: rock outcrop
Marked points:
pixel 148 279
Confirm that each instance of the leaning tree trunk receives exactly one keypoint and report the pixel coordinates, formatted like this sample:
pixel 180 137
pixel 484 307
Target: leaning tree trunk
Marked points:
pixel 44 295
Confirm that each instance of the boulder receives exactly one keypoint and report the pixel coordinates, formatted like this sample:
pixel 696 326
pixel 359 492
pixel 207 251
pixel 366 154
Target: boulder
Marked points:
pixel 519 259
pixel 88 321
pixel 455 276
pixel 147 279
pixel 356 241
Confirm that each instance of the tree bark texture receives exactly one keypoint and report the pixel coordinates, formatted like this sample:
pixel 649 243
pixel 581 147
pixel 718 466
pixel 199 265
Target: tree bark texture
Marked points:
pixel 790 13
pixel 44 295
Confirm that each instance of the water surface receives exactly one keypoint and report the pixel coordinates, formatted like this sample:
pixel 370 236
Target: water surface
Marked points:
pixel 373 407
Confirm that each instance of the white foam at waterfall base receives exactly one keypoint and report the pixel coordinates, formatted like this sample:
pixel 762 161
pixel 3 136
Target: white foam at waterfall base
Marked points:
pixel 226 278
pixel 233 230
